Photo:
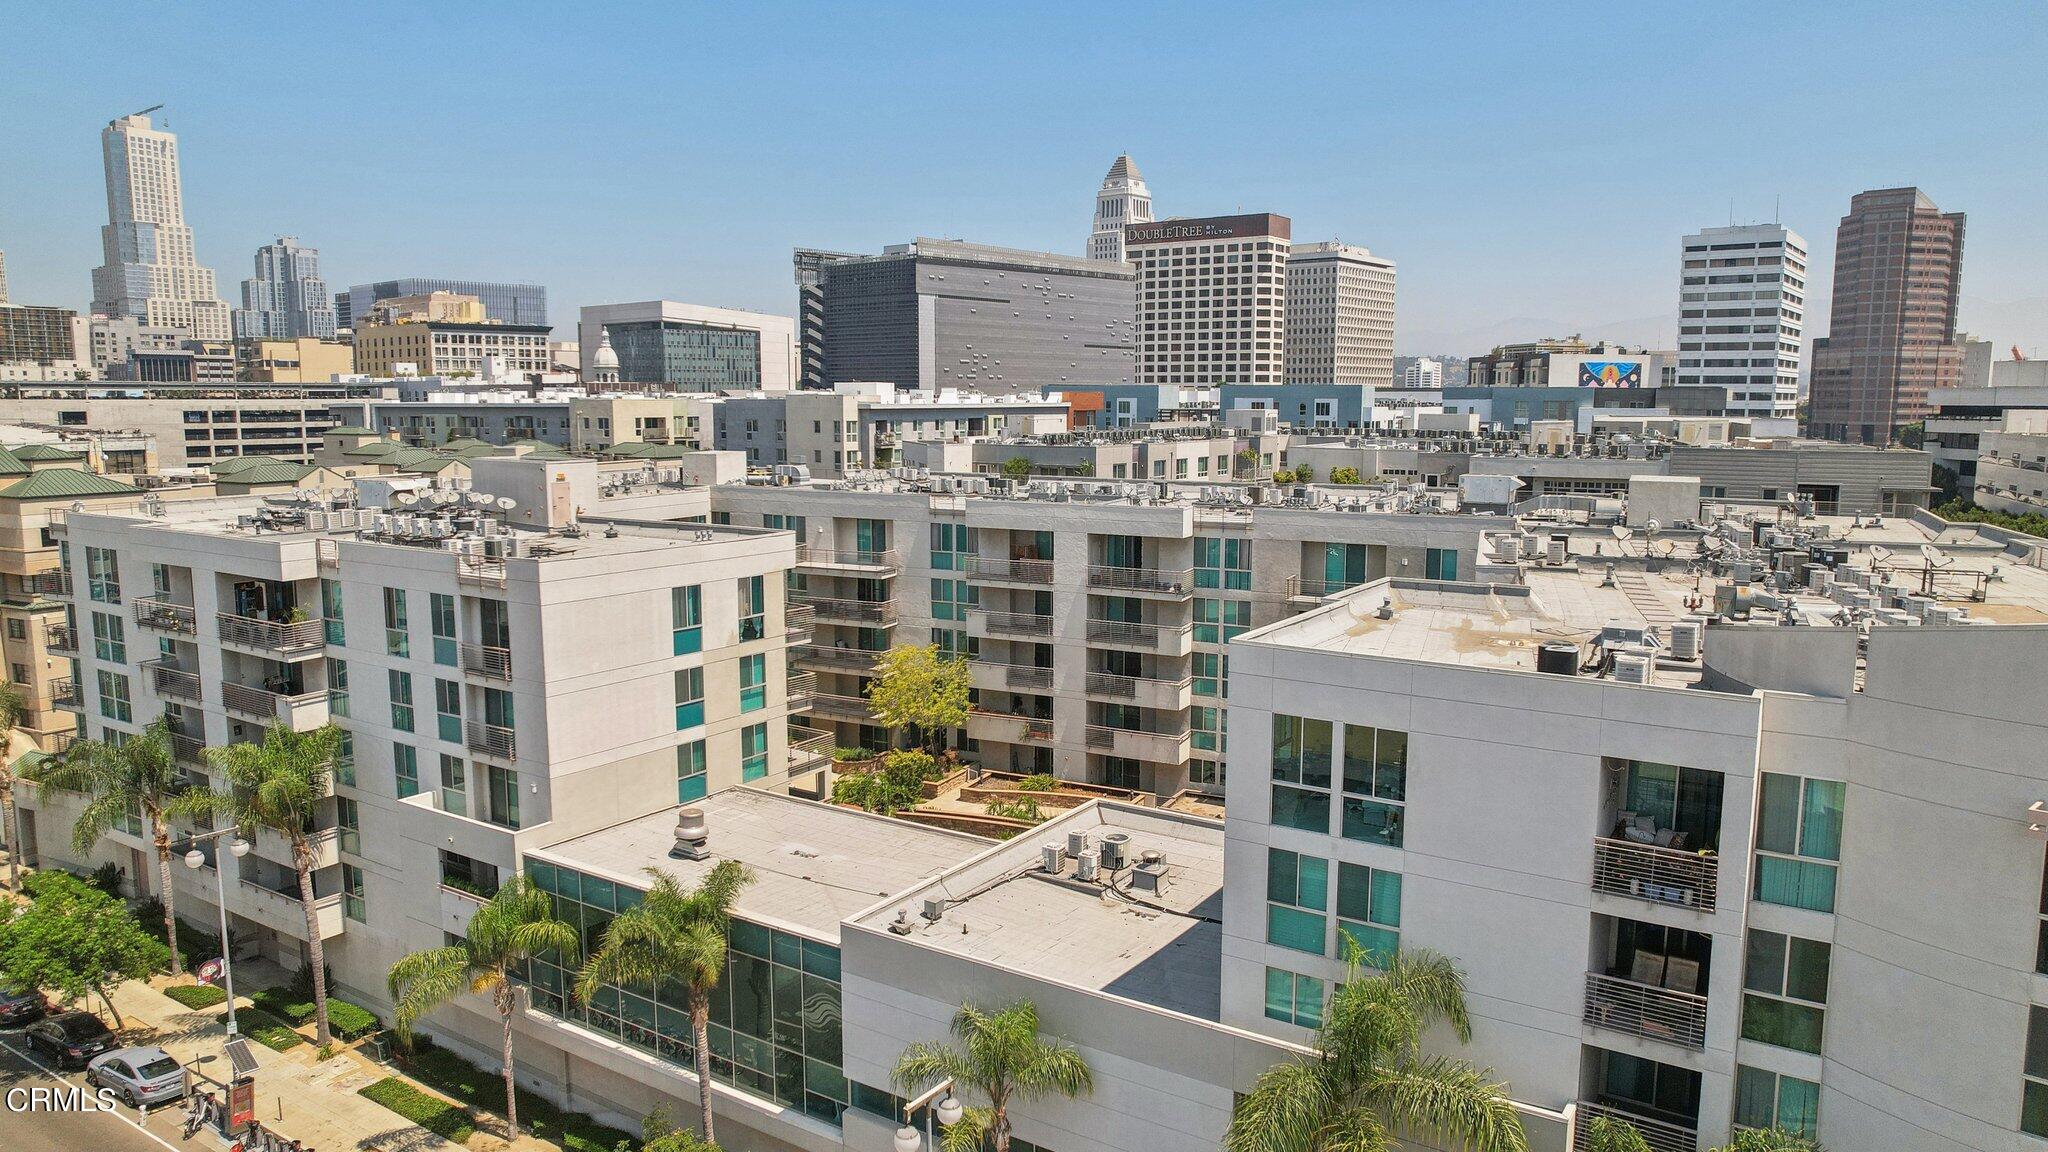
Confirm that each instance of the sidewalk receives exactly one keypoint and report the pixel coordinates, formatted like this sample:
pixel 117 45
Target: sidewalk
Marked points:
pixel 308 1099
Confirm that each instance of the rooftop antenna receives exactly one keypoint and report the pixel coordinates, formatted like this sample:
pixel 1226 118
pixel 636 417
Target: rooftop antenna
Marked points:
pixel 1777 206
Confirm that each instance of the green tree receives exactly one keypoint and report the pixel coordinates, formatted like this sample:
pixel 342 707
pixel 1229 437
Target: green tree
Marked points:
pixel 138 776
pixel 916 687
pixel 517 925
pixel 1344 476
pixel 1016 468
pixel 658 1133
pixel 1303 474
pixel 1606 1134
pixel 278 785
pixel 679 935
pixel 11 705
pixel 1001 1058
pixel 897 784
pixel 74 939
pixel 1770 1140
pixel 1247 462
pixel 1283 476
pixel 1370 1083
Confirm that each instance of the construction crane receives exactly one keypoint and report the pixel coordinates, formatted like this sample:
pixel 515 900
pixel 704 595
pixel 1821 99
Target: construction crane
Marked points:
pixel 148 110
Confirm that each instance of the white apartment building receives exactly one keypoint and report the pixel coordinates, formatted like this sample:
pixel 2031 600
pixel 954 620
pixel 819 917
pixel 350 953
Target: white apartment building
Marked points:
pixel 1122 200
pixel 1424 373
pixel 1340 316
pixel 1095 613
pixel 1212 299
pixel 150 271
pixel 1778 871
pixel 1741 309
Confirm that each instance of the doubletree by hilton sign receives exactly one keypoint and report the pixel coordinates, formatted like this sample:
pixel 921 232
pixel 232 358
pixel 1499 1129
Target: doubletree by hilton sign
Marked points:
pixel 1209 228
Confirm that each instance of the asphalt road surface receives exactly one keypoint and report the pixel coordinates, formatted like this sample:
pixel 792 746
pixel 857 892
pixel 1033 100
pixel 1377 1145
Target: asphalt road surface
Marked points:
pixel 30 1122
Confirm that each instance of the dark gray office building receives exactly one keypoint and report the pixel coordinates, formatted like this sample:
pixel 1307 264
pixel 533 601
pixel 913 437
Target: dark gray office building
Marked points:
pixel 505 303
pixel 947 314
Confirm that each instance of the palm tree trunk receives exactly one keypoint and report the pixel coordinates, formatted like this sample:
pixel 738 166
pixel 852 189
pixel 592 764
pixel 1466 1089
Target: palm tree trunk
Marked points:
pixel 508 1002
pixel 302 863
pixel 700 1031
pixel 109 1001
pixel 999 1121
pixel 163 874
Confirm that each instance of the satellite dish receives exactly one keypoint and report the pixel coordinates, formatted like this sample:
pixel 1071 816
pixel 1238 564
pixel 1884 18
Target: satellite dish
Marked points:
pixel 479 499
pixel 1936 556
pixel 405 499
pixel 1623 532
pixel 1879 553
pixel 1650 526
pixel 507 503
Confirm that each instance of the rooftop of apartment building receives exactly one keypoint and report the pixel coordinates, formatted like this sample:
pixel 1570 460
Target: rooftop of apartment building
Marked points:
pixel 814 864
pixel 1600 597
pixel 1146 928
pixel 991 256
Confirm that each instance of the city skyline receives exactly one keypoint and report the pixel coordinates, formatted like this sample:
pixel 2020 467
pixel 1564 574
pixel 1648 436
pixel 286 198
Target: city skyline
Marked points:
pixel 708 207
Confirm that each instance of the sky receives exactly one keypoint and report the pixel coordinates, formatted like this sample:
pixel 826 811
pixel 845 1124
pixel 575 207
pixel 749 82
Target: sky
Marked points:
pixel 1531 168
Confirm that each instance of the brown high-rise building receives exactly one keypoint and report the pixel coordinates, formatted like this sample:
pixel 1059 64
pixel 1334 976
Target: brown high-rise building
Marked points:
pixel 1892 333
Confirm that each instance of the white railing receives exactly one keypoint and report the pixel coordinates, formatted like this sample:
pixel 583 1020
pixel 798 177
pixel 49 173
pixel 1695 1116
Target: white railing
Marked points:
pixel 485 660
pixel 1181 583
pixel 1014 571
pixel 271 635
pixel 167 616
pixel 1658 875
pixel 1645 1010
pixel 493 740
pixel 1660 1135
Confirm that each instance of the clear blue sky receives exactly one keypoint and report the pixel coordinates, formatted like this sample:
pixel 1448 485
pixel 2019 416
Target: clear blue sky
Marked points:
pixel 1522 163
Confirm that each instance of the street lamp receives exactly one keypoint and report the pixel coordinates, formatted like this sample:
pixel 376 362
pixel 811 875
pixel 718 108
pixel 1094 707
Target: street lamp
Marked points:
pixel 948 1110
pixel 238 848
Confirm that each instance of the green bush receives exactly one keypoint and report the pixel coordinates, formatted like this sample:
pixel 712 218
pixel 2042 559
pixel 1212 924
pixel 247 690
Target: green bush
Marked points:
pixel 1039 782
pixel 267 1029
pixel 54 885
pixel 194 946
pixel 346 1020
pixel 483 1091
pixel 1026 810
pixel 896 785
pixel 197 995
pixel 349 1021
pixel 1962 511
pixel 845 754
pixel 108 878
pixel 437 1116
pixel 1344 476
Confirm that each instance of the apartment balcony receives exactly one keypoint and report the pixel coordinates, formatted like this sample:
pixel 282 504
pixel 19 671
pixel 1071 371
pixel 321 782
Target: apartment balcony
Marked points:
pixel 1165 639
pixel 1661 1135
pixel 809 749
pixel 160 615
pixel 836 560
pixel 323 843
pixel 861 660
pixel 173 683
pixel 1666 876
pixel 1006 728
pixel 54 583
pixel 487 661
pixel 1311 589
pixel 1143 691
pixel 282 913
pixel 990 676
pixel 1142 581
pixel 66 694
pixel 492 740
pixel 872 613
pixel 798 690
pixel 282 641
pixel 997 570
pixel 61 639
pixel 799 624
pixel 188 750
pixel 301 713
pixel 1622 1005
pixel 839 707
pixel 1169 746
pixel 1001 624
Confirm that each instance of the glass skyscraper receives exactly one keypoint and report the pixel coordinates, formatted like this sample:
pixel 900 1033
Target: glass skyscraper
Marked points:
pixel 505 303
pixel 687 357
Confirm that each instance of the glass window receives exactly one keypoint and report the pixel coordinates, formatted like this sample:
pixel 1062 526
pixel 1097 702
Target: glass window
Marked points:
pixel 330 611
pixel 441 613
pixel 348 819
pixel 753 682
pixel 109 641
pixel 503 785
pixel 1799 835
pixel 1440 564
pixel 1785 990
pixel 690 772
pixel 405 767
pixel 1297 898
pixel 1294 999
pixel 753 609
pixel 689 697
pixel 401 699
pixel 454 785
pixel 2034 1101
pixel 1769 1100
pixel 1223 563
pixel 1209 729
pixel 352 892
pixel 1219 621
pixel 115 703
pixel 103 575
pixel 397 640
pixel 337 687
pixel 448 710
pixel 1375 784
pixel 1301 773
pixel 1212 674
pixel 753 752
pixel 1369 911
pixel 686 614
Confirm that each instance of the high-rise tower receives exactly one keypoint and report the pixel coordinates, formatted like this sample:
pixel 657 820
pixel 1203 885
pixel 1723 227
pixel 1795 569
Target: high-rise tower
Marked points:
pixel 1122 199
pixel 150 272
pixel 286 299
pixel 1741 310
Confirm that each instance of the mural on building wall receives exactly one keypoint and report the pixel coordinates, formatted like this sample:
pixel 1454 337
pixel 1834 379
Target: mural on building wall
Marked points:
pixel 1610 374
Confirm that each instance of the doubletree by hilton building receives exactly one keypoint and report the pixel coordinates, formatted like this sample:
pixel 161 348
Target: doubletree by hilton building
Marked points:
pixel 1211 296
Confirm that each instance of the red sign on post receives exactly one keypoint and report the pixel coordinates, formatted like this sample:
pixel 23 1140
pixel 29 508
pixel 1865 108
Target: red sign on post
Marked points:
pixel 241 1104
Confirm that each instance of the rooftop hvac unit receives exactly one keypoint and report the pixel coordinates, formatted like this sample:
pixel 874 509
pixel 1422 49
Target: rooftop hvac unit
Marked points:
pixel 1560 550
pixel 1077 843
pixel 1685 640
pixel 1631 668
pixel 1532 546
pixel 1088 867
pixel 1115 850
pixel 1558 659
pixel 1053 857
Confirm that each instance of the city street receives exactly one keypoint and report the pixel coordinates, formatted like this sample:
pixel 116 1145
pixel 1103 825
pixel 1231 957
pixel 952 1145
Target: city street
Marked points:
pixel 44 1129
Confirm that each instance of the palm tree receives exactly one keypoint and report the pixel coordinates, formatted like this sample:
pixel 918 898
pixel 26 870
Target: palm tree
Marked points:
pixel 1001 1057
pixel 1370 1083
pixel 11 705
pixel 137 776
pixel 517 925
pixel 278 784
pixel 674 934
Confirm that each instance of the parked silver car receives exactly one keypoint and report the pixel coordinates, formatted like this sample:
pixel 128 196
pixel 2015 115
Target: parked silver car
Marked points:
pixel 138 1075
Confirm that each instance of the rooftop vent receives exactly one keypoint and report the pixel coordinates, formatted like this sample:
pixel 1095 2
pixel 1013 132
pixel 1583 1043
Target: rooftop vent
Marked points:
pixel 1149 874
pixel 693 836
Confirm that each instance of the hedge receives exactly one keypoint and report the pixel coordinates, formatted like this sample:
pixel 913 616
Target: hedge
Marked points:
pixel 267 1030
pixel 448 1073
pixel 346 1020
pixel 197 995
pixel 437 1116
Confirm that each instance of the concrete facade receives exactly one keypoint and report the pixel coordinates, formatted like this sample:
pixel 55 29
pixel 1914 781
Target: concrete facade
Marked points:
pixel 1340 316
pixel 670 346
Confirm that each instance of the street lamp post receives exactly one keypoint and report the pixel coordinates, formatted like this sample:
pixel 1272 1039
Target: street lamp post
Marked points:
pixel 948 1110
pixel 238 848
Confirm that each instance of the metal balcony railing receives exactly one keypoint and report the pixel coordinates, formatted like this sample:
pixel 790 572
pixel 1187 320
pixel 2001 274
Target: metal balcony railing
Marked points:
pixel 1105 736
pixel 188 750
pixel 799 624
pixel 808 748
pixel 1017 571
pixel 65 694
pixel 833 704
pixel 1660 1135
pixel 856 611
pixel 55 582
pixel 61 639
pixel 173 682
pixel 827 656
pixel 1128 687
pixel 1181 583
pixel 167 616
pixel 1016 623
pixel 1027 676
pixel 798 689
pixel 488 661
pixel 812 556
pixel 1133 634
pixel 1657 875
pixel 265 705
pixel 271 635
pixel 493 740
pixel 1645 1010
pixel 1308 588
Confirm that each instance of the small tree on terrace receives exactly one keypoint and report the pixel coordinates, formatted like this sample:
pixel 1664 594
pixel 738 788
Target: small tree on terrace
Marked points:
pixel 1016 468
pixel 916 687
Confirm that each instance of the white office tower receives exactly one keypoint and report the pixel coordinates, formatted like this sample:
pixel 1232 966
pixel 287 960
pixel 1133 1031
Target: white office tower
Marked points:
pixel 150 273
pixel 1424 373
pixel 1340 316
pixel 286 299
pixel 1741 308
pixel 3 277
pixel 1122 199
